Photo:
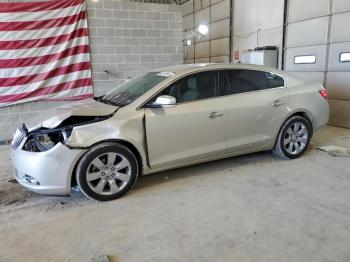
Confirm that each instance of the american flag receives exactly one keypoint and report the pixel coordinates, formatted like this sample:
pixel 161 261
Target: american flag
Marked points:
pixel 44 51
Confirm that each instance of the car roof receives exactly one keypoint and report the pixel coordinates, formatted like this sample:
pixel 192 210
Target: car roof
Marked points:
pixel 178 69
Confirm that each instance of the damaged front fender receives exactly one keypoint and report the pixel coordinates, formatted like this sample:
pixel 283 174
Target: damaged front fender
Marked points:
pixel 43 139
pixel 117 128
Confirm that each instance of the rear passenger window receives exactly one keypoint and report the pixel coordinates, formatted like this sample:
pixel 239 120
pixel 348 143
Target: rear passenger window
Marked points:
pixel 242 81
pixel 274 80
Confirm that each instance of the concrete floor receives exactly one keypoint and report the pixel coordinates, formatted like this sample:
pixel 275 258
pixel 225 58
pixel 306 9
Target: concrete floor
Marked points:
pixel 250 208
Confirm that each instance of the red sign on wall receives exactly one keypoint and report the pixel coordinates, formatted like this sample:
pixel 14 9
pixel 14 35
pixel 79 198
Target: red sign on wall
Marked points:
pixel 236 55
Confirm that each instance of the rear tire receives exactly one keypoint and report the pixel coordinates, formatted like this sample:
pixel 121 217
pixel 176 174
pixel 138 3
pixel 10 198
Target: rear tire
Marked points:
pixel 293 138
pixel 107 171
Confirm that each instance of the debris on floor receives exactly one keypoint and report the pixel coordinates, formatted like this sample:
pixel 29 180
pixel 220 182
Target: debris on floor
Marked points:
pixel 76 189
pixel 335 151
pixel 102 258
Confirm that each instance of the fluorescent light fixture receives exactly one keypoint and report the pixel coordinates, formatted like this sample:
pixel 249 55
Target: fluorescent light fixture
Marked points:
pixel 344 57
pixel 305 59
pixel 188 42
pixel 203 29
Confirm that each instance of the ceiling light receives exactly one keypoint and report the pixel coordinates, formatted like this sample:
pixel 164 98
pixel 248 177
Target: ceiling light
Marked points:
pixel 203 29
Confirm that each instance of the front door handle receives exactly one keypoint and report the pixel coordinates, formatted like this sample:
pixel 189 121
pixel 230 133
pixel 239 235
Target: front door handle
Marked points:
pixel 214 115
pixel 278 103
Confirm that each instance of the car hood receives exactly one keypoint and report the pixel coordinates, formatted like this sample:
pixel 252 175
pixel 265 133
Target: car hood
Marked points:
pixel 88 107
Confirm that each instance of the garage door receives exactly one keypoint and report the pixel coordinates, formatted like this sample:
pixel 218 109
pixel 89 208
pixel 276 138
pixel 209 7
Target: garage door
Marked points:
pixel 318 48
pixel 214 47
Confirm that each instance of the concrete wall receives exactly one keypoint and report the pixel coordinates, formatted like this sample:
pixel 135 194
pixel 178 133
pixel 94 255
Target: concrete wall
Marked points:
pixel 214 47
pixel 258 23
pixel 127 39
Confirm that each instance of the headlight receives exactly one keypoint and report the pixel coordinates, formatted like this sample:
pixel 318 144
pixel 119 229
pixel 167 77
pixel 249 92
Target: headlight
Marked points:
pixel 47 141
pixel 44 140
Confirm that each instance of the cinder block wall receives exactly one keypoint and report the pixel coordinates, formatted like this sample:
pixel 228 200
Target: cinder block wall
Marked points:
pixel 127 39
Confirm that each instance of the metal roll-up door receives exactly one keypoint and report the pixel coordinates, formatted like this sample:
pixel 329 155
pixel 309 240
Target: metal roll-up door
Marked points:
pixel 318 48
pixel 338 75
pixel 306 53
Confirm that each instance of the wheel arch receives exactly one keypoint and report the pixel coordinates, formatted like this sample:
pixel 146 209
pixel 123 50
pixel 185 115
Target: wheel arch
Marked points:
pixel 129 145
pixel 307 115
pixel 302 113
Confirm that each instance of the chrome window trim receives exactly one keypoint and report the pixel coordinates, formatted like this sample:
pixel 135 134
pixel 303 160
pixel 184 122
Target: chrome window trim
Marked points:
pixel 141 107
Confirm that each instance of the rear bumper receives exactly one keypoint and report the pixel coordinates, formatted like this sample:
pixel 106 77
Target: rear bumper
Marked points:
pixel 46 172
pixel 322 116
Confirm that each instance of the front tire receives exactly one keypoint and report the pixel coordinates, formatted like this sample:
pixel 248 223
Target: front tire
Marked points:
pixel 293 138
pixel 107 171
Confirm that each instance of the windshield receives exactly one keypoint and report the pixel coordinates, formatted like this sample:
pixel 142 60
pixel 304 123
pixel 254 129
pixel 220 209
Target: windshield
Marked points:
pixel 133 89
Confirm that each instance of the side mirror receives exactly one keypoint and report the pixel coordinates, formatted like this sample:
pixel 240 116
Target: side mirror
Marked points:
pixel 165 101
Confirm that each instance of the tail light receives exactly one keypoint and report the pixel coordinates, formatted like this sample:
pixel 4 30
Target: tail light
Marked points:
pixel 324 93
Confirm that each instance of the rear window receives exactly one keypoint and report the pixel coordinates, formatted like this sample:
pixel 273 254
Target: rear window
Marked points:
pixel 242 81
pixel 274 80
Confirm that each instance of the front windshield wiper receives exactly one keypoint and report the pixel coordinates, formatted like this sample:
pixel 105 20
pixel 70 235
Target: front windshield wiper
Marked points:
pixel 104 100
pixel 120 99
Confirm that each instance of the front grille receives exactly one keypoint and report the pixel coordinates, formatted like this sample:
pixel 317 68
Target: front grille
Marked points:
pixel 17 138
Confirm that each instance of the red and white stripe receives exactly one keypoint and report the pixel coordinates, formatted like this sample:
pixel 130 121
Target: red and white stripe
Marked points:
pixel 44 52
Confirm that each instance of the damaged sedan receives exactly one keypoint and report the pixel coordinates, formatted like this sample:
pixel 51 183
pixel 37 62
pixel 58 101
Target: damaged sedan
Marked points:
pixel 165 119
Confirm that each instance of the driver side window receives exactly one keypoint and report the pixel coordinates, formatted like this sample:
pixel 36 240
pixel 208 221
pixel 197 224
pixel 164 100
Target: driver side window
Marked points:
pixel 193 87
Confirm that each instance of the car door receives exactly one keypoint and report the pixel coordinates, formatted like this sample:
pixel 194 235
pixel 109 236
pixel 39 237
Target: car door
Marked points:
pixel 256 106
pixel 192 129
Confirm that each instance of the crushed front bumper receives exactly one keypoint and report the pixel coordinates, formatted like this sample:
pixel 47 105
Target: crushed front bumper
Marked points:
pixel 46 172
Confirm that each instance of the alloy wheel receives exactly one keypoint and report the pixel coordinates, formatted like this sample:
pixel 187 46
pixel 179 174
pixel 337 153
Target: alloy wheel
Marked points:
pixel 108 173
pixel 296 138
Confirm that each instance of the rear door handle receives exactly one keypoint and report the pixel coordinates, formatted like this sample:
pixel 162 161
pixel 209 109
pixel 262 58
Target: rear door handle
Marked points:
pixel 214 115
pixel 278 103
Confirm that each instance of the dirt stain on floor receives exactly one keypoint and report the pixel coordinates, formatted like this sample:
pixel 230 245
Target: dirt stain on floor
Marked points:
pixel 11 193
